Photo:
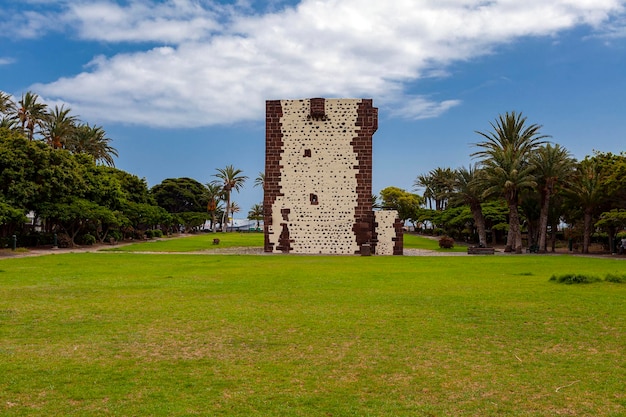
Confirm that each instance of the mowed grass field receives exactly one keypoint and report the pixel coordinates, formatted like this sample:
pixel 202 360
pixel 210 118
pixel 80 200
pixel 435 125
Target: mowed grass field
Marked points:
pixel 204 241
pixel 133 334
pixel 194 243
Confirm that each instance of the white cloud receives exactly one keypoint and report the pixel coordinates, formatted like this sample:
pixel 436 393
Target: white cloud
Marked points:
pixel 614 29
pixel 423 108
pixel 6 61
pixel 169 22
pixel 221 65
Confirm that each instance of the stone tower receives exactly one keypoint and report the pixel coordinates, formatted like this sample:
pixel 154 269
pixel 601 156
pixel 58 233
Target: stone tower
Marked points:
pixel 318 179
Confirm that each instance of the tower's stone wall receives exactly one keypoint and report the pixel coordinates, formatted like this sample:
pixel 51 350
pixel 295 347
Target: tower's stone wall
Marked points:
pixel 318 176
pixel 389 233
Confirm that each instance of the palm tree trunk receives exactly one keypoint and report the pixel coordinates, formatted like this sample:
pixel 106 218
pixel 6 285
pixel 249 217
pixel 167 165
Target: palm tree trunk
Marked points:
pixel 543 220
pixel 553 237
pixel 479 220
pixel 510 236
pixel 514 239
pixel 227 209
pixel 587 232
pixel 510 239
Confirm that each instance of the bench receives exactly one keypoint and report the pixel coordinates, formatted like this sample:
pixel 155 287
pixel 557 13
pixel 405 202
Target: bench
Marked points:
pixel 532 249
pixel 480 251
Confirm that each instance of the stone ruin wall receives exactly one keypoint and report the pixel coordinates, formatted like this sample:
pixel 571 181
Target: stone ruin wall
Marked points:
pixel 318 179
pixel 389 231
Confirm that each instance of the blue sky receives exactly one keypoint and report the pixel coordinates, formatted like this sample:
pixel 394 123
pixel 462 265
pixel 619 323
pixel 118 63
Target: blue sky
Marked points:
pixel 180 85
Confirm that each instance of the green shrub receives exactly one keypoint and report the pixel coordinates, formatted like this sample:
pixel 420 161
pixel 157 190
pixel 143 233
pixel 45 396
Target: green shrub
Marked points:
pixel 618 279
pixel 574 279
pixel 87 239
pixel 446 242
pixel 151 234
pixel 116 235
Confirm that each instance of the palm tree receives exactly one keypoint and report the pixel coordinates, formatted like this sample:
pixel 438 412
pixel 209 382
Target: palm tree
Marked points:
pixel 259 181
pixel 467 191
pixel 506 175
pixel 30 113
pixel 8 123
pixel 510 132
pixel 438 184
pixel 58 127
pixel 234 208
pixel 213 195
pixel 256 213
pixel 585 190
pixel 443 186
pixel 230 179
pixel 7 106
pixel 92 141
pixel 552 164
pixel 426 182
pixel 504 156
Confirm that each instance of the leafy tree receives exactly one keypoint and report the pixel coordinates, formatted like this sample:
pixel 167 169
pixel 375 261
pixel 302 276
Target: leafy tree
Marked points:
pixel 103 188
pixel 192 220
pixel 231 179
pixel 74 215
pixel 584 191
pixel 139 217
pixel 615 218
pixel 454 220
pixel 405 203
pixel 496 217
pixel 614 177
pixel 178 195
pixel 10 218
pixel 613 168
pixel 182 195
pixel 19 162
pixel 135 189
pixel 504 154
pixel 59 177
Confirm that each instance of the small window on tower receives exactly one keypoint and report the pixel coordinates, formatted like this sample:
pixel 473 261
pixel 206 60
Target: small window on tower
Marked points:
pixel 313 198
pixel 307 153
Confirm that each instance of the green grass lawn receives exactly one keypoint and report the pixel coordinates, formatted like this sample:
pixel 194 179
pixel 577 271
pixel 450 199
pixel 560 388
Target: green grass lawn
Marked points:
pixel 413 241
pixel 125 334
pixel 204 241
pixel 194 243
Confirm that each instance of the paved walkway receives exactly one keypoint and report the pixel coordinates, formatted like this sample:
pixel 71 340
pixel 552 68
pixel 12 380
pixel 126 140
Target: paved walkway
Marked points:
pixel 21 253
